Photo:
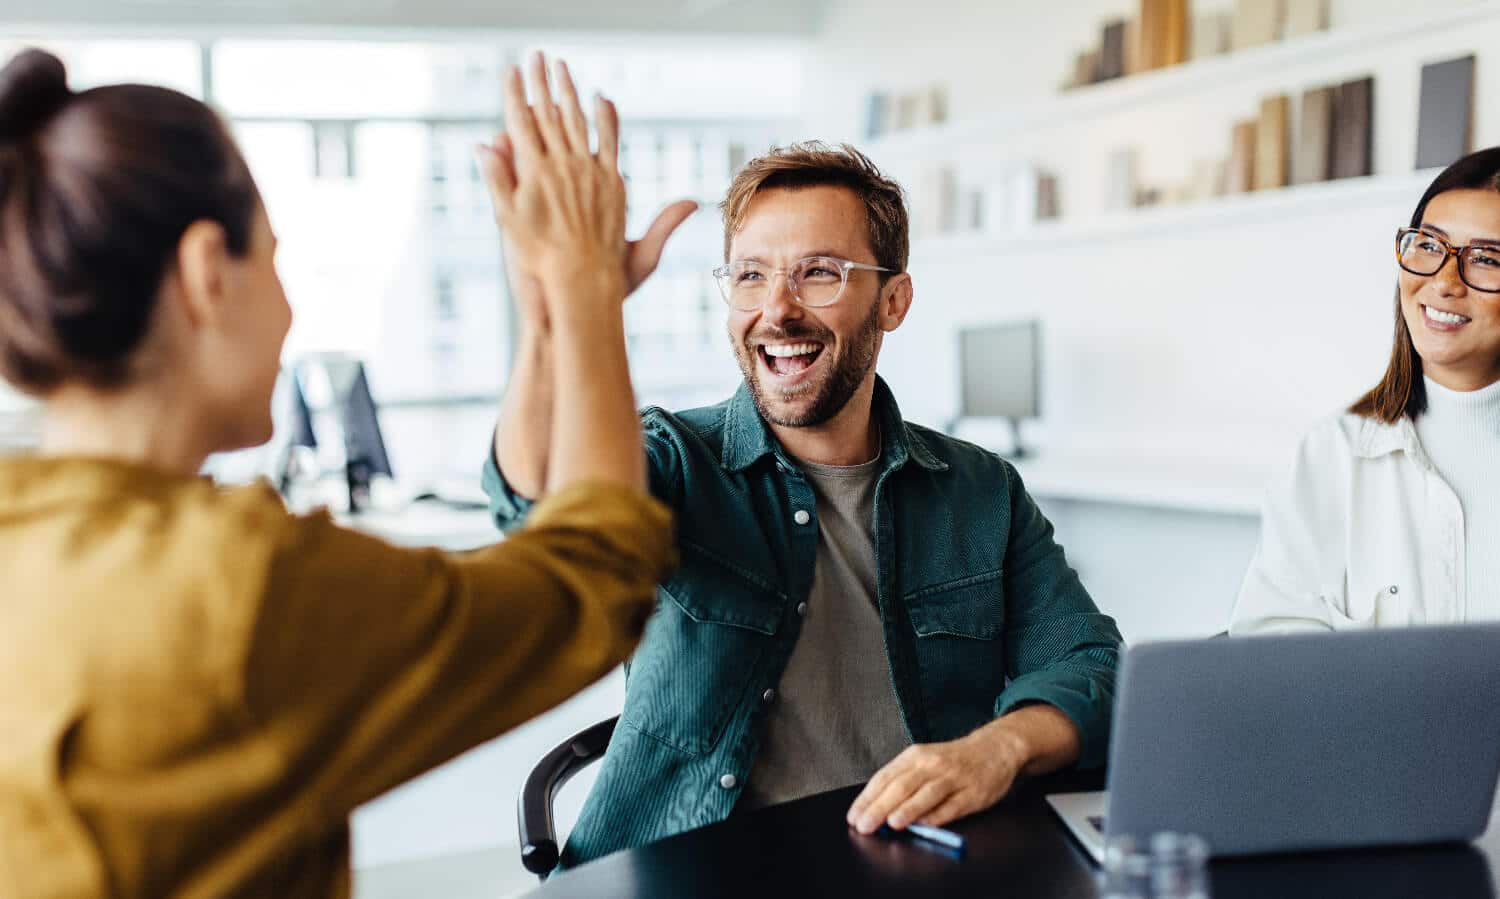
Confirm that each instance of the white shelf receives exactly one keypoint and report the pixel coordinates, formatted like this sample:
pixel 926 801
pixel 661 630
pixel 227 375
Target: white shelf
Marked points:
pixel 1191 485
pixel 1073 106
pixel 1236 209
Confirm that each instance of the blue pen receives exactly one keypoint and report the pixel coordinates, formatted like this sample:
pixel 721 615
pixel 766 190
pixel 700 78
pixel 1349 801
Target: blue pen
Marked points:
pixel 938 835
pixel 945 838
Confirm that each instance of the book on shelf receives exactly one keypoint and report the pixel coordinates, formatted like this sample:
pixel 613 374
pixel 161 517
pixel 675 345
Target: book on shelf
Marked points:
pixel 932 106
pixel 1112 51
pixel 1313 158
pixel 1208 179
pixel 1024 196
pixel 1305 17
pixel 1445 122
pixel 1240 177
pixel 1163 33
pixel 974 217
pixel 908 111
pixel 935 202
pixel 1092 62
pixel 1021 196
pixel 1256 22
pixel 1048 204
pixel 1180 193
pixel 1133 61
pixel 1085 69
pixel 1353 112
pixel 878 116
pixel 1211 34
pixel 1272 143
pixel 1123 182
pixel 948 211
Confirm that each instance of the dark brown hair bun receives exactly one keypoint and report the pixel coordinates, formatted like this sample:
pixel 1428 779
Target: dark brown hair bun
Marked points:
pixel 96 191
pixel 33 88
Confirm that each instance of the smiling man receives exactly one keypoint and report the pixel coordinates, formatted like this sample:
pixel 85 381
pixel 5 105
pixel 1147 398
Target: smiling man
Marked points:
pixel 861 599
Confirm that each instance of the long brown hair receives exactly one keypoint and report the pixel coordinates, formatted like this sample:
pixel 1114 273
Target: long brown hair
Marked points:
pixel 96 190
pixel 1401 392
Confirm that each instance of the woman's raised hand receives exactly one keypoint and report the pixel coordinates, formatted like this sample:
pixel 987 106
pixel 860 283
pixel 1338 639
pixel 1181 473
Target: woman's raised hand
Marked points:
pixel 499 162
pixel 560 202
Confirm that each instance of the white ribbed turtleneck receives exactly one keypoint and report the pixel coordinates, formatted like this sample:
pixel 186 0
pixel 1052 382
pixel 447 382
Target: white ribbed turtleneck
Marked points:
pixel 1460 432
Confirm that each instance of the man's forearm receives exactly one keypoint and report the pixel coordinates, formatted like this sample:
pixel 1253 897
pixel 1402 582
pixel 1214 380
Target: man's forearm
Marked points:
pixel 596 434
pixel 523 436
pixel 1040 736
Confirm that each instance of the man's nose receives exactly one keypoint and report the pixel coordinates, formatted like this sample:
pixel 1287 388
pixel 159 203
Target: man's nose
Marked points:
pixel 781 301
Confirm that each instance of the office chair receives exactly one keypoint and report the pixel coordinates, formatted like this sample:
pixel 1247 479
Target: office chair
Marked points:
pixel 539 849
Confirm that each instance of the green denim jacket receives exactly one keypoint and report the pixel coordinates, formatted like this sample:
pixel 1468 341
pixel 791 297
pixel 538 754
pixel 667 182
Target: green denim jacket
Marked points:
pixel 980 609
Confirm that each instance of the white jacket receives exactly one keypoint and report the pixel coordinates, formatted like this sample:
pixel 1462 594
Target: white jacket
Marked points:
pixel 1361 532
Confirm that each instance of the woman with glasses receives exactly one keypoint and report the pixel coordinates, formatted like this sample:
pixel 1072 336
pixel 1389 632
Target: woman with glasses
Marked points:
pixel 1390 514
pixel 196 687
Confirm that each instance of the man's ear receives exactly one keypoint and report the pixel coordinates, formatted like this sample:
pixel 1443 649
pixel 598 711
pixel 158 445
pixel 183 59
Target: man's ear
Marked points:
pixel 202 271
pixel 895 302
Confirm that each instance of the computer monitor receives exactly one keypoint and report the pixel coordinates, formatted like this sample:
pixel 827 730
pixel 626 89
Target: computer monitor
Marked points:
pixel 337 384
pixel 1000 373
pixel 293 429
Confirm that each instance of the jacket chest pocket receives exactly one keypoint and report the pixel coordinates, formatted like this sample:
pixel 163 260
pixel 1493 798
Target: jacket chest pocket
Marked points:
pixel 712 628
pixel 959 628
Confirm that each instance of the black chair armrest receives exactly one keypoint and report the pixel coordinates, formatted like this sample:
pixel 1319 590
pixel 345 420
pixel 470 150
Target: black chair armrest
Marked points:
pixel 539 850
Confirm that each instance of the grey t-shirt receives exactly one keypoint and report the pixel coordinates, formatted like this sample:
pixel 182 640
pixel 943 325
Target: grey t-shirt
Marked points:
pixel 834 721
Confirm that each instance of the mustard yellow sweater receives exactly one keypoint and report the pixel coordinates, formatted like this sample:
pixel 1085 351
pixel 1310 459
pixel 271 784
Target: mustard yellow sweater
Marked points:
pixel 197 687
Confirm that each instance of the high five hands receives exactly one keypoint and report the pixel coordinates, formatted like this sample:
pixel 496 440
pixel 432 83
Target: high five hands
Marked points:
pixel 552 133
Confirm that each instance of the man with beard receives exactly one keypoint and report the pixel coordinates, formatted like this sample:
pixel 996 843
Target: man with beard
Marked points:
pixel 860 599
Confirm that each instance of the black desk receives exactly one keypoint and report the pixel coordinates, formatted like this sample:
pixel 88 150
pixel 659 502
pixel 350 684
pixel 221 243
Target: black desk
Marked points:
pixel 1017 850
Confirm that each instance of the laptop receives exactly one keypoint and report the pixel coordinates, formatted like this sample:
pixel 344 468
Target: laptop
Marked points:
pixel 1299 743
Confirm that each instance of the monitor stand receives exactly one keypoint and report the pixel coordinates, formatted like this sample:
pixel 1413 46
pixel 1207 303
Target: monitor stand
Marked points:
pixel 1017 448
pixel 358 473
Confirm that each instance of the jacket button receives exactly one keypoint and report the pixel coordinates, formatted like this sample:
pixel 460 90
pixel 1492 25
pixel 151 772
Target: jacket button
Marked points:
pixel 1394 591
pixel 801 516
pixel 802 609
pixel 768 696
pixel 729 781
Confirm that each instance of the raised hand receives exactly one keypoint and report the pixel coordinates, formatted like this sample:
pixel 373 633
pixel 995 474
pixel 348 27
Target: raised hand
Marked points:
pixel 499 163
pixel 561 204
pixel 562 207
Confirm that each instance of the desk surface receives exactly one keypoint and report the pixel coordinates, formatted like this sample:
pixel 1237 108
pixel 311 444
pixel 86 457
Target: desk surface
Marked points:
pixel 1017 850
pixel 1191 485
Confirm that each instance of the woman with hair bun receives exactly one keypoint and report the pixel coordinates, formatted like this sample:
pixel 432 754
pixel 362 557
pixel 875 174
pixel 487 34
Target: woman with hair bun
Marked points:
pixel 1390 514
pixel 197 687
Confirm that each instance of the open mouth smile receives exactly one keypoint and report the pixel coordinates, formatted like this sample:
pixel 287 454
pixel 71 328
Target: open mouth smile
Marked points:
pixel 789 363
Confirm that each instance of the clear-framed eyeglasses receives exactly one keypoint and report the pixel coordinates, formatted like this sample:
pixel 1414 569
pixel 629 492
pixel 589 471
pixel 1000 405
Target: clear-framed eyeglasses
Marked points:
pixel 1424 253
pixel 815 281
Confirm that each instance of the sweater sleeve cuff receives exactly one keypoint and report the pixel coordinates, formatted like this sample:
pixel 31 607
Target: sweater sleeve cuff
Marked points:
pixel 635 522
pixel 507 507
pixel 1077 695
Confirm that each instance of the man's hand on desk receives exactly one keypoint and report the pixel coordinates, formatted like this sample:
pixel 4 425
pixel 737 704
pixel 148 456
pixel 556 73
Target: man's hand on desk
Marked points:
pixel 935 783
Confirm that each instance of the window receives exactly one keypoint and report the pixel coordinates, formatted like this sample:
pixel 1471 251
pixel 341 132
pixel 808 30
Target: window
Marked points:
pixel 363 151
pixel 177 64
pixel 333 150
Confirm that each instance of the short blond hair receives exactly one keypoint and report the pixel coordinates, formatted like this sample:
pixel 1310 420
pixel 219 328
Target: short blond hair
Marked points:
pixel 816 164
